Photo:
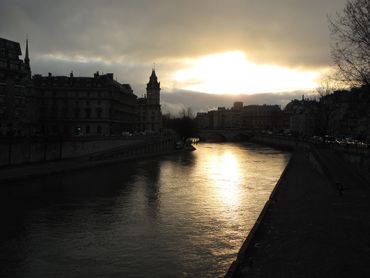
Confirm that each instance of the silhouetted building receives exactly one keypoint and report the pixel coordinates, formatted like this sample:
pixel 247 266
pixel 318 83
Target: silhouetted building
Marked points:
pixel 347 113
pixel 69 105
pixel 262 117
pixel 238 105
pixel 235 116
pixel 149 113
pixel 16 118
pixel 304 116
pixel 202 120
pixel 250 117
pixel 98 106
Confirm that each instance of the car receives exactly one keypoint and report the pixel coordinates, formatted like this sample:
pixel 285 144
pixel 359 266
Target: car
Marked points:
pixel 329 139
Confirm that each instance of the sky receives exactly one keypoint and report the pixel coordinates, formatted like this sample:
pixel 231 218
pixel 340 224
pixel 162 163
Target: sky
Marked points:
pixel 237 48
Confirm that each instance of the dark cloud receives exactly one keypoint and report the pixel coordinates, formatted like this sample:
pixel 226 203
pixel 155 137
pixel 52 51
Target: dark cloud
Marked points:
pixel 287 32
pixel 126 37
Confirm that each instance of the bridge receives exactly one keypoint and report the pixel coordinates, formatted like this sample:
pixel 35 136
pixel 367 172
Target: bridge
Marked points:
pixel 224 135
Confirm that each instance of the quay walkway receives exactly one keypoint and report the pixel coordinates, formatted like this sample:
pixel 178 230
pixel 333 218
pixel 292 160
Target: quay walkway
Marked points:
pixel 313 226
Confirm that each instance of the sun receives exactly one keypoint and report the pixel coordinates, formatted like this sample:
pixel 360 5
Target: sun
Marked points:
pixel 232 73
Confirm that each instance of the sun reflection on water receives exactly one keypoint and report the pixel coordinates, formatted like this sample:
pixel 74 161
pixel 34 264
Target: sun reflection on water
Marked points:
pixel 226 175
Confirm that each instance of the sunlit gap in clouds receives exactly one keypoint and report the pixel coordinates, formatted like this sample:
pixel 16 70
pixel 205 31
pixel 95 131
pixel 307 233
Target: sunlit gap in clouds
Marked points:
pixel 232 73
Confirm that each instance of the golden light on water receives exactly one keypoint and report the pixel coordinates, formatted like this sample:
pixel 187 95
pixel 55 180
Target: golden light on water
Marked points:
pixel 226 177
pixel 232 73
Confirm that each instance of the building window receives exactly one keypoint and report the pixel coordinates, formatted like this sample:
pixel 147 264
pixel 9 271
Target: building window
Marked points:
pixel 99 112
pixel 87 129
pixel 88 113
pixel 98 130
pixel 65 112
pixel 77 113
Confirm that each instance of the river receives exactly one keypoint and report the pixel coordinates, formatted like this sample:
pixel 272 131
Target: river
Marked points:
pixel 182 215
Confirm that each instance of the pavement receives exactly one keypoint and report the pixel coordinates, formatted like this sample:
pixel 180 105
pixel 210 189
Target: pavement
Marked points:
pixel 312 227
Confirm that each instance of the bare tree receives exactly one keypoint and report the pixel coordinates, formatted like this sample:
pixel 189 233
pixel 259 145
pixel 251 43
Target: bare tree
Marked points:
pixel 350 32
pixel 328 85
pixel 326 106
pixel 187 113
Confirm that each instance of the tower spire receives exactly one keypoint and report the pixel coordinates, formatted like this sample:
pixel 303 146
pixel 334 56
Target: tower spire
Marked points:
pixel 27 58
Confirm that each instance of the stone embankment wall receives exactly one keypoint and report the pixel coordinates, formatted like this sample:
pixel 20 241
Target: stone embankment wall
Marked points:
pixel 17 151
pixel 360 161
pixel 152 146
pixel 289 143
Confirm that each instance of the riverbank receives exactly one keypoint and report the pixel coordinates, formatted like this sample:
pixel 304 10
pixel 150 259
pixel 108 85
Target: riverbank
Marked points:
pixel 110 156
pixel 314 225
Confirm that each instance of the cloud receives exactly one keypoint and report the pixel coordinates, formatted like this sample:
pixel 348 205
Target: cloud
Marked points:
pixel 285 32
pixel 125 37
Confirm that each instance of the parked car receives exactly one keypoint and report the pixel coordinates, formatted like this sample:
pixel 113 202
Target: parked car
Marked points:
pixel 126 133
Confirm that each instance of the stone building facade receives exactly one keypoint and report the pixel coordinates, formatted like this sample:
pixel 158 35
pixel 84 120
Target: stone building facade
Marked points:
pixel 68 105
pixel 16 112
pixel 88 106
pixel 250 117
pixel 262 117
pixel 347 113
pixel 304 117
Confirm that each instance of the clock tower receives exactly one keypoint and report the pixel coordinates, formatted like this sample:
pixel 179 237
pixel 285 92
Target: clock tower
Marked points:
pixel 153 90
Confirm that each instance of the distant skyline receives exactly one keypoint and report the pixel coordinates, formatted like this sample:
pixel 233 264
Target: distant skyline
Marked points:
pixel 211 46
pixel 176 102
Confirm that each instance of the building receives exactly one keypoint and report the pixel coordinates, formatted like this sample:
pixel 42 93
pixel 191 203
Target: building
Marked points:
pixel 262 117
pixel 346 113
pixel 304 117
pixel 68 105
pixel 16 117
pixel 202 120
pixel 149 108
pixel 250 117
pixel 89 106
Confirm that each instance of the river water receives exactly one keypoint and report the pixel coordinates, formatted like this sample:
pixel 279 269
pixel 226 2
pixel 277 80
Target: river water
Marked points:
pixel 182 215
